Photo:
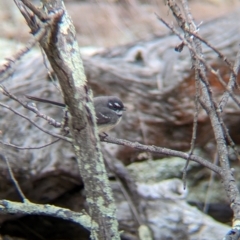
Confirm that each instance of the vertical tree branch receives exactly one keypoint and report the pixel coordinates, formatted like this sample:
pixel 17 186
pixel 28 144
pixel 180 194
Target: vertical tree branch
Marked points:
pixel 210 106
pixel 63 53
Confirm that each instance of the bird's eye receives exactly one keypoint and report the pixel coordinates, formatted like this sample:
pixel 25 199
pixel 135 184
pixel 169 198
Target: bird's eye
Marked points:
pixel 114 105
pixel 117 105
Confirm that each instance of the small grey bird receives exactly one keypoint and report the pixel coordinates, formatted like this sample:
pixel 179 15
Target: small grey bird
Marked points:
pixel 109 110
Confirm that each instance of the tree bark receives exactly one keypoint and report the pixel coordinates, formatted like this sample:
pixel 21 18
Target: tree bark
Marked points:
pixel 63 53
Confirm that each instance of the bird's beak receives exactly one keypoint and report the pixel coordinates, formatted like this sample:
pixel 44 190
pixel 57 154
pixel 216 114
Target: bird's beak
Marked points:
pixel 124 109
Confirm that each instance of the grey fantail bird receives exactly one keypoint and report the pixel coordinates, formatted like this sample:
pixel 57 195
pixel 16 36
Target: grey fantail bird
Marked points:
pixel 109 110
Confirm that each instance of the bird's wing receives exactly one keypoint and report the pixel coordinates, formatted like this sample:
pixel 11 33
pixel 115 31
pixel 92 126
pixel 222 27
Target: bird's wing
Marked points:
pixel 103 117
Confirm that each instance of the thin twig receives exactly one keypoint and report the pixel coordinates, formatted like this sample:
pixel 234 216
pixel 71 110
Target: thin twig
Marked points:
pixel 15 182
pixel 29 148
pixel 49 71
pixel 130 202
pixel 32 108
pixel 229 139
pixel 126 183
pixel 40 14
pixel 187 14
pixel 202 60
pixel 165 151
pixel 215 118
pixel 220 55
pixel 232 82
pixel 7 69
pixel 194 131
pixel 30 18
pixel 37 126
pixel 212 175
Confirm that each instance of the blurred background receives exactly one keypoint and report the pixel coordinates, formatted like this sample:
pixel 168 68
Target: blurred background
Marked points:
pixel 108 23
pixel 155 82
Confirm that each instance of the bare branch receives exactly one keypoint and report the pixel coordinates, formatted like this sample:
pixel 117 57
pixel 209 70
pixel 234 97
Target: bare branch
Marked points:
pixel 7 70
pixel 37 126
pixel 41 15
pixel 232 82
pixel 220 55
pixel 14 180
pixel 29 148
pixel 200 58
pixel 63 53
pixel 32 108
pixel 82 218
pixel 165 151
pixel 194 131
pixel 127 185
pixel 211 109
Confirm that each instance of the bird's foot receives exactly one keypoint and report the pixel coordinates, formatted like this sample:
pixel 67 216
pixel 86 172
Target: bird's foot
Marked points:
pixel 103 136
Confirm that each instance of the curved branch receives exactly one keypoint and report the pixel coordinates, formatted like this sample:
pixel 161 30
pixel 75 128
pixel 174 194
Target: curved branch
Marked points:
pixel 47 210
